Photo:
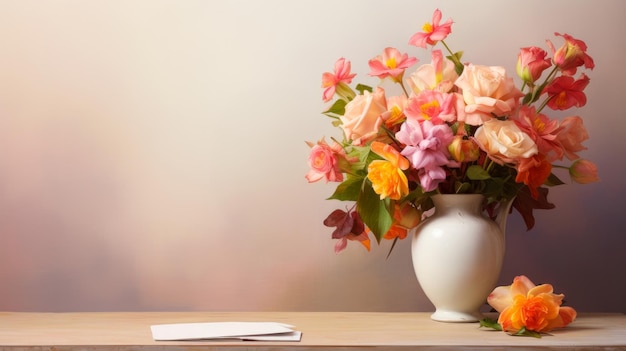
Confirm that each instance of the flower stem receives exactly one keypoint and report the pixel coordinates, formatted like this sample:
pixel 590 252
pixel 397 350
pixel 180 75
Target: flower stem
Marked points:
pixel 404 89
pixel 457 63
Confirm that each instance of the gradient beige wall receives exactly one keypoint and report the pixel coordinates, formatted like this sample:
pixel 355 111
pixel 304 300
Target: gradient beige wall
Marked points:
pixel 152 153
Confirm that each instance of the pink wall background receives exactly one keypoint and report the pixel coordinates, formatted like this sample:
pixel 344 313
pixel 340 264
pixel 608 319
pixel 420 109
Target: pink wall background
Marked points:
pixel 152 153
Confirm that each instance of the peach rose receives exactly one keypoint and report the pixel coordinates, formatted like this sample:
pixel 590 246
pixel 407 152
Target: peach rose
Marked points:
pixel 571 135
pixel 487 91
pixel 363 116
pixel 504 142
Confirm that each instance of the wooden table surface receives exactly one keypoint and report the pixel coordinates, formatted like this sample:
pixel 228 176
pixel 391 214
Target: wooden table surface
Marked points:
pixel 320 331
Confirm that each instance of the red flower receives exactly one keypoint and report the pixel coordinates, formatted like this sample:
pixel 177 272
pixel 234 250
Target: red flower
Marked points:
pixel 565 92
pixel 533 172
pixel 571 55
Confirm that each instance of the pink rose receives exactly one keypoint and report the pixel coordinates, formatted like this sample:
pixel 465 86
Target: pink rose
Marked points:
pixel 324 162
pixel 487 91
pixel 363 116
pixel 504 142
pixel 571 135
pixel 531 62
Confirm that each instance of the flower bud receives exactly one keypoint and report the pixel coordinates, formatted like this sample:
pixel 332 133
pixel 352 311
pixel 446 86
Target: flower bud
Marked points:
pixel 463 149
pixel 531 62
pixel 584 171
pixel 406 215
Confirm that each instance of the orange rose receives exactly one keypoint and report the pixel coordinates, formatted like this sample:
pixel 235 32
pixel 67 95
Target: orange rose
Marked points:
pixel 523 305
pixel 387 176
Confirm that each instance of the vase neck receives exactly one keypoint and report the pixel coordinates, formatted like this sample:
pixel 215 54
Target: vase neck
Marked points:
pixel 503 213
pixel 471 203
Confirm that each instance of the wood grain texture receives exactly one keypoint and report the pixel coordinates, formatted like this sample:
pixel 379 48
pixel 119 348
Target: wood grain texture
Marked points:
pixel 321 331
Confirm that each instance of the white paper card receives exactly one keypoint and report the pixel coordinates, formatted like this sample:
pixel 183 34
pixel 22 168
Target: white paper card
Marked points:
pixel 256 331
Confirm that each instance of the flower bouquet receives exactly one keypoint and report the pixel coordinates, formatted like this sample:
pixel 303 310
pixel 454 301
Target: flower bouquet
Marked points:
pixel 454 128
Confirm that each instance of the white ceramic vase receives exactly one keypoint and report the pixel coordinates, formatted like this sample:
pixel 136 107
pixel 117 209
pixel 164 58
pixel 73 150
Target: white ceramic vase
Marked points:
pixel 457 256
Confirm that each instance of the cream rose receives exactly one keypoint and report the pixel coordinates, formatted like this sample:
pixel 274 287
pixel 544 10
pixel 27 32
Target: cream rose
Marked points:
pixel 363 116
pixel 487 91
pixel 504 142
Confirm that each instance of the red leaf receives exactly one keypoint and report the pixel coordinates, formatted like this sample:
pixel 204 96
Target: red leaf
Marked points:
pixel 342 220
pixel 524 203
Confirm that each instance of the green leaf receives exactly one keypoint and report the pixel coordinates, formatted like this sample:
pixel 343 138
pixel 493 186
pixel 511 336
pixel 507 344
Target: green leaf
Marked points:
pixel 348 190
pixel 553 180
pixel 362 87
pixel 338 108
pixel 527 98
pixel 374 212
pixel 462 187
pixel 365 156
pixel 456 58
pixel 395 240
pixel 490 323
pixel 476 172
pixel 525 332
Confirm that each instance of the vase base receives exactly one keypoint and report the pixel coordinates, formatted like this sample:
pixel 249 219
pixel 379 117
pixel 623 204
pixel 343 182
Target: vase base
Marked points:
pixel 456 317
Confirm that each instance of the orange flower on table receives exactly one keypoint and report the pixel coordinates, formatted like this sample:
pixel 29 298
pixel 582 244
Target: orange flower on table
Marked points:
pixel 526 306
pixel 387 176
